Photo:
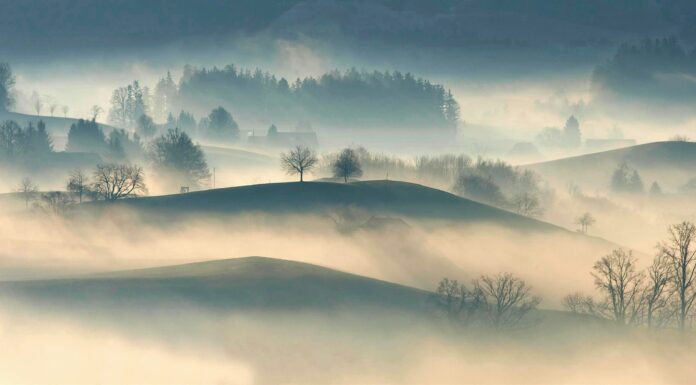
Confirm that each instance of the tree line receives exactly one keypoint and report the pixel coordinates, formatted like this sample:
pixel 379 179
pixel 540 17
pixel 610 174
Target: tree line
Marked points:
pixel 642 69
pixel 386 99
pixel 301 160
pixel 24 145
pixel 502 302
pixel 135 107
pixel 493 182
pixel 658 297
pixel 108 182
pixel 172 155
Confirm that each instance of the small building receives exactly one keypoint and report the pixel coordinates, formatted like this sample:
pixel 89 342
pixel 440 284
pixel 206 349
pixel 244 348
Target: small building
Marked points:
pixel 596 145
pixel 275 138
pixel 524 152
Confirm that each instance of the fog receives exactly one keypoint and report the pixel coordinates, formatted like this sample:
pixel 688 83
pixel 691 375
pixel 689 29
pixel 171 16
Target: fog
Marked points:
pixel 44 246
pixel 309 348
pixel 498 110
pixel 337 192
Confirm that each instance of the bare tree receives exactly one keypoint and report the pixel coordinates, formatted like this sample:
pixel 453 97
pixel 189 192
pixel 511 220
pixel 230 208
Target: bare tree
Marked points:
pixel 579 303
pixel 298 161
pixel 456 302
pixel 527 204
pixel 52 108
pixel 657 294
pixel 506 299
pixel 28 189
pixel 679 138
pixel 65 110
pixel 116 181
pixel 681 257
pixel 77 184
pixel 617 278
pixel 38 104
pixel 576 303
pixel 347 165
pixel 585 221
pixel 96 111
pixel 54 202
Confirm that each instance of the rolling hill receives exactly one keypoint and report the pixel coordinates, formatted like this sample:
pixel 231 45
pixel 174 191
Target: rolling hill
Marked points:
pixel 241 283
pixel 671 164
pixel 56 125
pixel 388 198
pixel 256 286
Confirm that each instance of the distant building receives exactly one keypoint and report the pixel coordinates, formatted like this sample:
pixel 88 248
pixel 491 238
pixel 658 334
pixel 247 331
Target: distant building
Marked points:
pixel 525 152
pixel 275 138
pixel 607 144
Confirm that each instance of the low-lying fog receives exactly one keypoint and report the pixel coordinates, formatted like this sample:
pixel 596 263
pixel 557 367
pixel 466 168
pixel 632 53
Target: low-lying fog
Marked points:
pixel 185 344
pixel 184 347
pixel 497 111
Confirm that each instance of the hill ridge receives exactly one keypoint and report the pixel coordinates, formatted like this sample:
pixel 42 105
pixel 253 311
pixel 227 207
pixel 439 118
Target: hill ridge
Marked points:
pixel 377 197
pixel 236 283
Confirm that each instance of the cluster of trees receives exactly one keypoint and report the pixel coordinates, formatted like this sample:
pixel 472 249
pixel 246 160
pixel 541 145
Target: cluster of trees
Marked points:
pixel 302 159
pixel 128 104
pixel 569 137
pixel 22 146
pixel 108 181
pixel 388 99
pixel 626 180
pixel 493 182
pixel 660 296
pixel 643 69
pixel 502 302
pixel 385 99
pixel 585 221
pixel 132 107
pixel 88 136
pixel 219 125
pixel 165 97
pixel 500 184
pixel 175 156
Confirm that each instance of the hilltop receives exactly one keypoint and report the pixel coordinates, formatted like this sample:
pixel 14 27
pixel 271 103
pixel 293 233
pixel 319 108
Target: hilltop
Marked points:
pixel 56 125
pixel 382 197
pixel 240 283
pixel 669 163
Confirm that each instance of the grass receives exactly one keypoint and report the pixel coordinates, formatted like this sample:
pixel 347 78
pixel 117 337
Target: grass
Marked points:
pixel 388 198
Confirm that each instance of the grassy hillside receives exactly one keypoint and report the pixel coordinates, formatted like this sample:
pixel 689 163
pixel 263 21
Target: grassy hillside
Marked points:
pixel 252 282
pixel 669 163
pixel 56 125
pixel 250 285
pixel 390 198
